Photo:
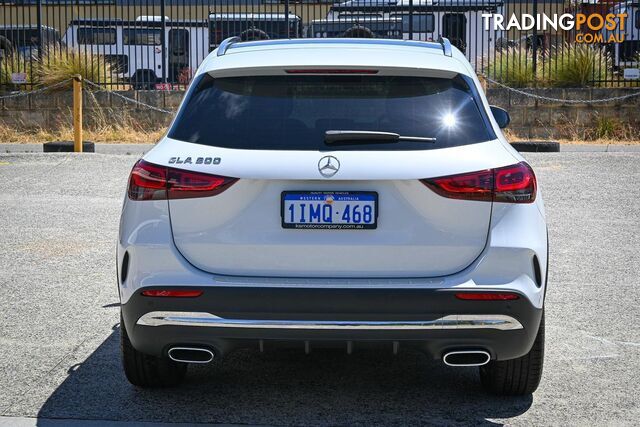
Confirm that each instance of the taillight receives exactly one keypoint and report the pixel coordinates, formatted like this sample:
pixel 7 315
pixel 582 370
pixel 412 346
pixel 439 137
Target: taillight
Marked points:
pixel 515 184
pixel 468 186
pixel 185 184
pixel 509 184
pixel 148 182
pixel 154 182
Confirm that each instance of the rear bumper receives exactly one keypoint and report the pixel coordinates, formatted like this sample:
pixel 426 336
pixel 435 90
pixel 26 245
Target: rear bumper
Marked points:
pixel 433 320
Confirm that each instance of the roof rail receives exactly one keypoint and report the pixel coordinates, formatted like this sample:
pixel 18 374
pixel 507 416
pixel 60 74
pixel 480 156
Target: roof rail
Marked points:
pixel 443 43
pixel 446 45
pixel 226 44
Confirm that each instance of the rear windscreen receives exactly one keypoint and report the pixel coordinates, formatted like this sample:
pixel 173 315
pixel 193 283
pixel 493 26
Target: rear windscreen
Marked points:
pixel 294 112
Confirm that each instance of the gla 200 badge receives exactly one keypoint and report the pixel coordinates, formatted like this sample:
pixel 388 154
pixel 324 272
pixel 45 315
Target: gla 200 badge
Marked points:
pixel 198 161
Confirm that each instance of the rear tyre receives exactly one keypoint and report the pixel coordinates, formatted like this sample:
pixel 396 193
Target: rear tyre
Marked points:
pixel 516 377
pixel 143 80
pixel 358 32
pixel 147 371
pixel 251 34
pixel 6 46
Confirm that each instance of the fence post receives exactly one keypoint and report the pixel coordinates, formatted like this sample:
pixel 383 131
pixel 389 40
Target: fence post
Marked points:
pixel 39 25
pixel 163 41
pixel 286 14
pixel 410 20
pixel 534 45
pixel 77 114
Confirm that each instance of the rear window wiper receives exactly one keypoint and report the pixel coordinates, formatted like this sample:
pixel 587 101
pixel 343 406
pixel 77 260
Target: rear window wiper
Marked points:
pixel 368 136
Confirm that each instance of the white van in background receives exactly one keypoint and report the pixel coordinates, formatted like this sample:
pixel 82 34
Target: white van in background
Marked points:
pixel 625 54
pixel 134 48
pixel 459 21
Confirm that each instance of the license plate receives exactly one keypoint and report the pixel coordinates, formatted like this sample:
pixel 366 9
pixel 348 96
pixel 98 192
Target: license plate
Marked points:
pixel 340 210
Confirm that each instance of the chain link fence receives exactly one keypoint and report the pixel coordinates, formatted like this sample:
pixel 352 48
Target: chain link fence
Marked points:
pixel 158 44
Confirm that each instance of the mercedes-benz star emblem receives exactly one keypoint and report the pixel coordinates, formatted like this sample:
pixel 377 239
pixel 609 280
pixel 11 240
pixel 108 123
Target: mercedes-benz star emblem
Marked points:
pixel 328 166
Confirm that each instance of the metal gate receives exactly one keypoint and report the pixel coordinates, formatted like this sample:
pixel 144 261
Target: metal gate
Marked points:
pixel 147 44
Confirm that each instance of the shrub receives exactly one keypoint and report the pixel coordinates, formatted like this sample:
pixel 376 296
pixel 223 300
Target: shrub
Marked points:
pixel 605 128
pixel 578 65
pixel 611 128
pixel 15 64
pixel 512 67
pixel 58 65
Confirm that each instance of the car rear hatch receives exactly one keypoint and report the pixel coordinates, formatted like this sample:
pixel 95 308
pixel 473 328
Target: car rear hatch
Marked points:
pixel 418 232
pixel 257 226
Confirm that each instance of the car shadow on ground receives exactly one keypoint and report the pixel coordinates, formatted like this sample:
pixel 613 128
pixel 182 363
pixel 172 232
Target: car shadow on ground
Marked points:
pixel 278 387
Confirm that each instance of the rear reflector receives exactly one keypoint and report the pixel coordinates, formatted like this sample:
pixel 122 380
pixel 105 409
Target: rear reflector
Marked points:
pixel 153 182
pixel 330 71
pixel 510 184
pixel 171 293
pixel 487 296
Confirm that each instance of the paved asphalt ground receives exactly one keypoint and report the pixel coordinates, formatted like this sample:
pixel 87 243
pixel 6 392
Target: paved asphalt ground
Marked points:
pixel 59 356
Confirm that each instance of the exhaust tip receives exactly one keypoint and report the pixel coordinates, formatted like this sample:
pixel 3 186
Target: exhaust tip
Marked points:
pixel 190 354
pixel 466 358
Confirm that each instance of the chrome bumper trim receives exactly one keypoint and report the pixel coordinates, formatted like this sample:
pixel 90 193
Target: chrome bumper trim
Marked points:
pixel 453 321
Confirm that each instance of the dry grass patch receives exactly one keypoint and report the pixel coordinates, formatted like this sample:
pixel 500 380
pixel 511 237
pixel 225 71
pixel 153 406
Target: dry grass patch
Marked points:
pixel 603 141
pixel 105 125
pixel 106 134
pixel 588 137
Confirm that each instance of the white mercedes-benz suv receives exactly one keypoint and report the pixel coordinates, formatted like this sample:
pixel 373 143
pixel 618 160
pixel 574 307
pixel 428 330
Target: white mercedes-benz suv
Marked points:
pixel 334 192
